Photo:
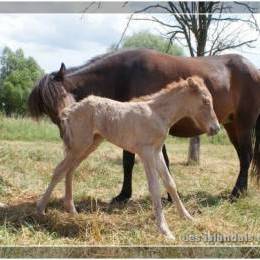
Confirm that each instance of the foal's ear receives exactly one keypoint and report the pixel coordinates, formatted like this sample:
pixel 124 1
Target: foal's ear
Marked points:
pixel 60 74
pixel 191 83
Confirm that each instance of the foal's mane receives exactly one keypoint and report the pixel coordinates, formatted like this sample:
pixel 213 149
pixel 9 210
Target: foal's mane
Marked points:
pixel 171 87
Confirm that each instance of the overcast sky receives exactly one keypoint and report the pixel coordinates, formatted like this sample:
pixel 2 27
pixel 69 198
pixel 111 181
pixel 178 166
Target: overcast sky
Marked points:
pixel 73 38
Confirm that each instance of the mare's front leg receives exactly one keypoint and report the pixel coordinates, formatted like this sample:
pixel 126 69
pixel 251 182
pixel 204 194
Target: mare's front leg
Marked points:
pixel 128 164
pixel 170 185
pixel 241 139
pixel 167 162
pixel 154 188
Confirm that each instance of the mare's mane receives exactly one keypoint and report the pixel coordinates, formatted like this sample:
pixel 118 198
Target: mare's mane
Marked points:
pixel 46 94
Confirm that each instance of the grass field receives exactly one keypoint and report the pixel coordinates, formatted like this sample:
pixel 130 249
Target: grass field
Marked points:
pixel 30 151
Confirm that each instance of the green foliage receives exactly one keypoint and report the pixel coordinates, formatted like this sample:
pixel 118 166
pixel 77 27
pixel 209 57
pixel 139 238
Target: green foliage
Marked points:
pixel 147 40
pixel 17 77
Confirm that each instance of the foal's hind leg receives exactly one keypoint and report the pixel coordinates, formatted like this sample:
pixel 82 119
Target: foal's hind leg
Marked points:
pixel 128 164
pixel 170 186
pixel 68 199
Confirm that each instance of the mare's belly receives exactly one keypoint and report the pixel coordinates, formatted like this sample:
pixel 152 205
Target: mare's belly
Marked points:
pixel 185 128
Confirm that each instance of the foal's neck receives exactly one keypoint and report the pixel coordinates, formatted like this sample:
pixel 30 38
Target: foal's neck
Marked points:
pixel 171 104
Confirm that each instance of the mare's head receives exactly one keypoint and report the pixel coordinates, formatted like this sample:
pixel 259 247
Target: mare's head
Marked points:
pixel 49 97
pixel 200 106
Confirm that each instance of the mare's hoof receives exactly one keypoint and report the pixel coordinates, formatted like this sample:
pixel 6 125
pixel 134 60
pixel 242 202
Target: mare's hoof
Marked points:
pixel 232 198
pixel 40 213
pixel 40 209
pixel 121 198
pixel 235 194
pixel 167 200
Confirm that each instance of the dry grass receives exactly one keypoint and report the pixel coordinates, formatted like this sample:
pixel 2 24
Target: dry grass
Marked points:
pixel 25 170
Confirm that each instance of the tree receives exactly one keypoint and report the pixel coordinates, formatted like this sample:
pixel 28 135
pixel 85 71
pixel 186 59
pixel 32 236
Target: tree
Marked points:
pixel 148 40
pixel 17 77
pixel 205 28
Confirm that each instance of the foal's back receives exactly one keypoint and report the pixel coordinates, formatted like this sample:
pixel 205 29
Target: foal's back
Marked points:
pixel 123 123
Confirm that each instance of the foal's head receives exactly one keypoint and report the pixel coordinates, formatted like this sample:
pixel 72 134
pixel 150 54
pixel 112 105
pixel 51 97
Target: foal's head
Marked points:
pixel 200 106
pixel 50 96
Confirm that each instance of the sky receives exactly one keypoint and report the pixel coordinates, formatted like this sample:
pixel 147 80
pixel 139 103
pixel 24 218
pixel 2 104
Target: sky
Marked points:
pixel 75 38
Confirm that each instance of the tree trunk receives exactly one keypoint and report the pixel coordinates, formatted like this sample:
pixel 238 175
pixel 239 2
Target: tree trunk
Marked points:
pixel 194 150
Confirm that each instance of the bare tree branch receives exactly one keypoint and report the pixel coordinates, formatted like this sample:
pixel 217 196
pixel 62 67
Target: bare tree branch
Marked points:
pixel 205 28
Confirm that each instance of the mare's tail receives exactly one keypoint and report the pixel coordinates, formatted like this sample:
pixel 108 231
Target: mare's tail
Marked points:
pixel 256 155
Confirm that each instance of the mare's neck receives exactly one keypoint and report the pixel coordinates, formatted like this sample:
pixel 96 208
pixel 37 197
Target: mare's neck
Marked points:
pixel 172 105
pixel 77 79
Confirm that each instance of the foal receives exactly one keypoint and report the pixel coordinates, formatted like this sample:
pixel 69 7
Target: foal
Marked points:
pixel 140 127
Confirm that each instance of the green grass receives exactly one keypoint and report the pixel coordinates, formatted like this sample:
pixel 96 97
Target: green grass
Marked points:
pixel 29 153
pixel 24 129
pixel 17 128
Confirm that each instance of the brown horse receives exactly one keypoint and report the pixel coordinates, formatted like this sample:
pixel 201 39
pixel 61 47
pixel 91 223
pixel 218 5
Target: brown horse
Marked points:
pixel 232 80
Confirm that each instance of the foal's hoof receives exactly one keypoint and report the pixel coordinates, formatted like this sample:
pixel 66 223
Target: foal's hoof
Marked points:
pixel 71 210
pixel 170 236
pixel 189 218
pixel 121 198
pixel 167 234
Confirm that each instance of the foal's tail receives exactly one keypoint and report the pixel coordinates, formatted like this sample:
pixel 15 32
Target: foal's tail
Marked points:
pixel 256 155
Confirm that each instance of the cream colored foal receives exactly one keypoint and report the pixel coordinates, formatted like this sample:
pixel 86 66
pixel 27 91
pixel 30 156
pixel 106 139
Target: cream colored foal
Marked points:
pixel 140 127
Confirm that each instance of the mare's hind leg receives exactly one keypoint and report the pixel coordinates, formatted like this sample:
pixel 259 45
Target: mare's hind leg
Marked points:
pixel 241 139
pixel 170 186
pixel 68 198
pixel 148 159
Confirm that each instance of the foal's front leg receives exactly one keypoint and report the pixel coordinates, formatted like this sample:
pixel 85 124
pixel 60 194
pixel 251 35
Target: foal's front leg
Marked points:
pixel 170 186
pixel 68 198
pixel 154 188
pixel 64 167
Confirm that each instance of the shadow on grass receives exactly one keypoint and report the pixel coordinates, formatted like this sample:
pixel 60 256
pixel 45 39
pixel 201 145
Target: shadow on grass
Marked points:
pixel 63 224
pixel 205 199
